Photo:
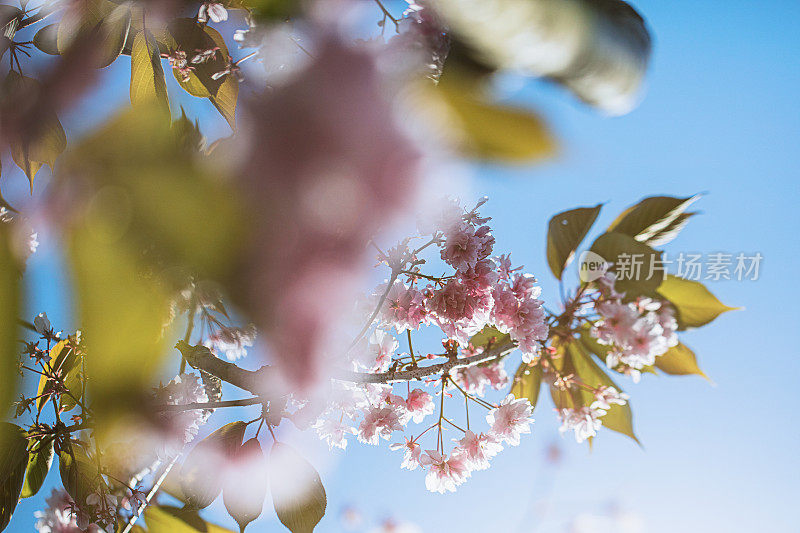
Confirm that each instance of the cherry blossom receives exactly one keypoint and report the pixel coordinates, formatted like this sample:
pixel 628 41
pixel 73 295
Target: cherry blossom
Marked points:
pixel 379 423
pixel 511 419
pixel 478 449
pixel 444 473
pixel 584 421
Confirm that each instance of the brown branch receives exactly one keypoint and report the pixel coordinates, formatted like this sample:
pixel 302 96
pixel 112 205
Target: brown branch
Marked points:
pixel 258 382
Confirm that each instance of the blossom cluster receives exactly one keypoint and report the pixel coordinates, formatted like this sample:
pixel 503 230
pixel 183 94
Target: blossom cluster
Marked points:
pixel 637 332
pixel 481 291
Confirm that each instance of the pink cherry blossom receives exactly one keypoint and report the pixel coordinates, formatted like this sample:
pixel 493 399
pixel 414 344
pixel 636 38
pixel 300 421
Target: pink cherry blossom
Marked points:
pixel 412 452
pixel 404 308
pixel 511 419
pixel 444 474
pixel 478 449
pixel 419 404
pixel 377 423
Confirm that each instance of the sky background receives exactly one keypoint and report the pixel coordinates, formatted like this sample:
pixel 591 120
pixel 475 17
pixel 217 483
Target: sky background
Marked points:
pixel 720 116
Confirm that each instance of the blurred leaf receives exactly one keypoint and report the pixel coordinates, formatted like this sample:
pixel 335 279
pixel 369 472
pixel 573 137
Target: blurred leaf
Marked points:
pixel 104 21
pixel 201 478
pixel 493 132
pixel 620 417
pixel 297 492
pixel 9 331
pixel 246 485
pixel 638 267
pixel 694 303
pixel 165 519
pixel 13 460
pixel 31 154
pixel 527 382
pixel 150 212
pixel 39 461
pixel 46 40
pixel 654 220
pixel 188 133
pixel 565 233
pixel 147 77
pixel 679 361
pixel 599 49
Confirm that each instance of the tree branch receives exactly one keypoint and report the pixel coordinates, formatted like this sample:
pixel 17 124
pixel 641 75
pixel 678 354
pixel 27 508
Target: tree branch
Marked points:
pixel 257 382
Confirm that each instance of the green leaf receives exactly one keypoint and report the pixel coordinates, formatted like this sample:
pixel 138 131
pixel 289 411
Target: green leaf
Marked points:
pixel 188 36
pixel 527 382
pixel 50 140
pixel 651 219
pixel 489 334
pixel 638 267
pixel 46 40
pixel 9 331
pixel 679 361
pixel 13 460
pixel 148 85
pixel 39 461
pixel 490 131
pixel 620 417
pixel 297 492
pixel 694 303
pixel 103 22
pixel 565 233
pixel 79 474
pixel 63 361
pixel 246 484
pixel 201 481
pixel 166 519
pixel 669 232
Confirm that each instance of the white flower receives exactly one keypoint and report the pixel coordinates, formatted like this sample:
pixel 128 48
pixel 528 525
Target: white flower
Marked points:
pixel 212 10
pixel 605 396
pixel 584 421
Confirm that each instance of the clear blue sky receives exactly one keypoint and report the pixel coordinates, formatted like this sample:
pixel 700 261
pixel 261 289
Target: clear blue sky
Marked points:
pixel 720 116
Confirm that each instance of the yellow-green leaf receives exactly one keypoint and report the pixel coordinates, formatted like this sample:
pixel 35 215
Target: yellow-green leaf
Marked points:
pixel 9 331
pixel 104 22
pixel 565 233
pixel 30 154
pixel 680 361
pixel 166 519
pixel 13 461
pixel 527 382
pixel 60 361
pixel 297 492
pixel 246 485
pixel 201 481
pixel 489 334
pixel 79 474
pixel 39 461
pixel 148 85
pixel 649 220
pixel 46 40
pixel 638 267
pixel 490 131
pixel 694 303
pixel 620 417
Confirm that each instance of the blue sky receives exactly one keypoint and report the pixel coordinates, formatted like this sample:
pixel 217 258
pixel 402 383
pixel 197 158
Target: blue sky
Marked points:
pixel 720 116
